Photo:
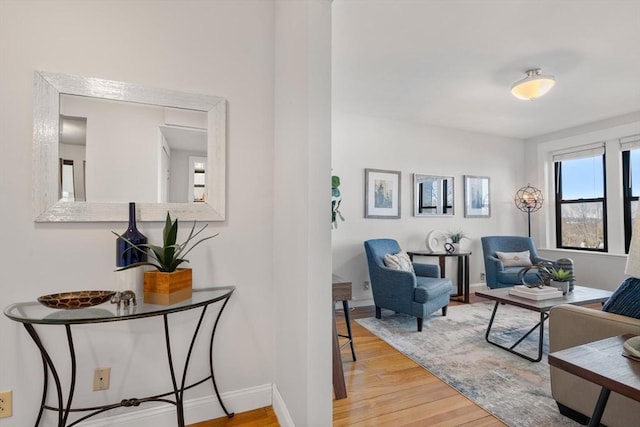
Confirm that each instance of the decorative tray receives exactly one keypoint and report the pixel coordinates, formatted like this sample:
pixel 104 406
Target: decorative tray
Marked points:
pixel 78 299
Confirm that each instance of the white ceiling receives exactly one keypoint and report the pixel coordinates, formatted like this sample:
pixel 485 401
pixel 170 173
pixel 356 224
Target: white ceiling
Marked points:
pixel 451 63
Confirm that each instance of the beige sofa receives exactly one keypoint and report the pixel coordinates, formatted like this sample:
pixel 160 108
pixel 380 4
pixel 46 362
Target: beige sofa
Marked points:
pixel 570 326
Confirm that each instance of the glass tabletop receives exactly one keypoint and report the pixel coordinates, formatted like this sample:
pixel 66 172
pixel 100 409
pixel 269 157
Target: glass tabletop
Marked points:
pixel 34 312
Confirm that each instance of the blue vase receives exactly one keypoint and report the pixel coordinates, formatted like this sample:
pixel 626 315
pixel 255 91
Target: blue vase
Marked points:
pixel 126 257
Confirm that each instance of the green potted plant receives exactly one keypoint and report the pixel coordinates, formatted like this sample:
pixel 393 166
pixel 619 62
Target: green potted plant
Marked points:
pixel 167 284
pixel 456 236
pixel 559 277
pixel 336 199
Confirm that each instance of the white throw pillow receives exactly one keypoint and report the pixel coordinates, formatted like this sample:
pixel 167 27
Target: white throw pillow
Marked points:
pixel 399 261
pixel 515 259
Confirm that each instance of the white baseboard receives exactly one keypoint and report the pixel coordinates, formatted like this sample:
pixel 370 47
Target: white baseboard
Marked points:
pixel 279 407
pixel 196 410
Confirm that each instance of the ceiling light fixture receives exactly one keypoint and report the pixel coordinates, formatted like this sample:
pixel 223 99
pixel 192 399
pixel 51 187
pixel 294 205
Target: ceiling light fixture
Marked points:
pixel 533 86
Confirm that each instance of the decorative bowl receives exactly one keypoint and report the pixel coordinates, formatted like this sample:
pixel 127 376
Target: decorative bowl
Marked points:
pixel 77 299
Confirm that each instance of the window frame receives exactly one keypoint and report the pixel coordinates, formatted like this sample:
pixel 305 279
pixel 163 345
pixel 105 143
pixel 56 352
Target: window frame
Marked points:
pixel 559 202
pixel 627 198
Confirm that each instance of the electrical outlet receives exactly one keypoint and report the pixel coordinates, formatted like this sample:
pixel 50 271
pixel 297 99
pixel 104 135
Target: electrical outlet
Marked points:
pixel 6 403
pixel 101 379
pixel 366 285
pixel 482 277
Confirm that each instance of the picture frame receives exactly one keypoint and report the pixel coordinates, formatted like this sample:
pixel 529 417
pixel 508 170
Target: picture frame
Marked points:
pixel 382 194
pixel 477 197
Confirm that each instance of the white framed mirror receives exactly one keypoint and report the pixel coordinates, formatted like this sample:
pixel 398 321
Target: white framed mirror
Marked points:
pixel 432 195
pixel 51 90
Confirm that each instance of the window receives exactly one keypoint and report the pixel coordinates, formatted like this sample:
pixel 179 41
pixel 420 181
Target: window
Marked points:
pixel 630 184
pixel 67 192
pixel 581 214
pixel 197 179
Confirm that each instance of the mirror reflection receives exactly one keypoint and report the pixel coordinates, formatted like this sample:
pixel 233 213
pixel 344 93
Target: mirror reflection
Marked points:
pixel 146 153
pixel 99 144
pixel 433 195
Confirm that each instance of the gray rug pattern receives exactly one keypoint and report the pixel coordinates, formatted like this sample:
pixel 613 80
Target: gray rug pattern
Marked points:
pixel 454 349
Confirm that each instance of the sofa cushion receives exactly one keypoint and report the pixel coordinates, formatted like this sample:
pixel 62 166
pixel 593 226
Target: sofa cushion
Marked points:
pixel 515 259
pixel 428 288
pixel 626 299
pixel 399 261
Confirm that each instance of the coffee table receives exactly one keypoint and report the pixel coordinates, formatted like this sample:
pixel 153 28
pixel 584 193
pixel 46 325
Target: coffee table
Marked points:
pixel 602 363
pixel 579 296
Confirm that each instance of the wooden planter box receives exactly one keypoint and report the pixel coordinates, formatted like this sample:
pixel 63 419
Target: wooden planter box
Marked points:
pixel 167 288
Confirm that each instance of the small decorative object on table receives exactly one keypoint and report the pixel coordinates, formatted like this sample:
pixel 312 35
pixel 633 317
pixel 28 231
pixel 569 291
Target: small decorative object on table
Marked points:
pixel 132 236
pixel 560 278
pixel 169 284
pixel 124 297
pixel 631 348
pixel 456 237
pixel 78 299
pixel 435 241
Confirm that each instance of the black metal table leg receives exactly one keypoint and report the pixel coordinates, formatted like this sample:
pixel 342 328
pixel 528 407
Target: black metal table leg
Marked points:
pixel 177 394
pixel 539 325
pixel 48 362
pixel 599 409
pixel 72 385
pixel 213 378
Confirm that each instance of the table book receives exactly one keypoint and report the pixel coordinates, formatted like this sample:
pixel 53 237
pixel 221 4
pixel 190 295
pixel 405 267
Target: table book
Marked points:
pixel 538 294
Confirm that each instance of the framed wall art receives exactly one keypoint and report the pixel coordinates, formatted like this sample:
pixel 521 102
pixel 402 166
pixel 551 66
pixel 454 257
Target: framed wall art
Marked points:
pixel 477 201
pixel 381 194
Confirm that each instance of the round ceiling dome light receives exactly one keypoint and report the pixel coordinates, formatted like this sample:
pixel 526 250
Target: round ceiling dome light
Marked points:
pixel 533 86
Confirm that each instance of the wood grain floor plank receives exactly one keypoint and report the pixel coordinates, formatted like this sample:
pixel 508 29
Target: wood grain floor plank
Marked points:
pixel 384 388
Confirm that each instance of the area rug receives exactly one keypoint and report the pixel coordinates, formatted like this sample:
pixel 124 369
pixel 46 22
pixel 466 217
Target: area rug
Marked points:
pixel 454 349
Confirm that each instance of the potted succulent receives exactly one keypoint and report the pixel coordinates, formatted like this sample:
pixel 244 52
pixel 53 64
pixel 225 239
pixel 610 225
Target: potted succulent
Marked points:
pixel 456 237
pixel 559 277
pixel 167 284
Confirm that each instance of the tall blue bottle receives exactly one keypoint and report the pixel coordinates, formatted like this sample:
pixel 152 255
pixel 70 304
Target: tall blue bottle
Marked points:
pixel 126 257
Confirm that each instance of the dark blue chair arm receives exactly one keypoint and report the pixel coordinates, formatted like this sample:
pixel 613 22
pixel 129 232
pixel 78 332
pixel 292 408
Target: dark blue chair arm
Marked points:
pixel 426 270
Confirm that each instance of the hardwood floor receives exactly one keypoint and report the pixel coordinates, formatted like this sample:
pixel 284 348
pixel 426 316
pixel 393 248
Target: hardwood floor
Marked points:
pixel 384 388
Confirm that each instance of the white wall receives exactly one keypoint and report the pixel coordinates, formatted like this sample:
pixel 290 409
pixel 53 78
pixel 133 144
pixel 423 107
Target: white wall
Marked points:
pixel 302 241
pixel 360 142
pixel 223 48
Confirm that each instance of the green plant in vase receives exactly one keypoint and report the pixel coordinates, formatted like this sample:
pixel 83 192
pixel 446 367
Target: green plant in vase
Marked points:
pixel 167 284
pixel 558 276
pixel 456 236
pixel 170 255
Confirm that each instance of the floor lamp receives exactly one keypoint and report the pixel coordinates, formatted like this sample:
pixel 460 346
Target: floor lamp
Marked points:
pixel 528 199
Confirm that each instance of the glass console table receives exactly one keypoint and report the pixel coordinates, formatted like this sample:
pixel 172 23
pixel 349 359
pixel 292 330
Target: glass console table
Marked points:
pixel 34 313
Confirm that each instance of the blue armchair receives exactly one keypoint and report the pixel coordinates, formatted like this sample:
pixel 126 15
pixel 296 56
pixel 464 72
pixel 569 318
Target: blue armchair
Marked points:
pixel 419 293
pixel 499 276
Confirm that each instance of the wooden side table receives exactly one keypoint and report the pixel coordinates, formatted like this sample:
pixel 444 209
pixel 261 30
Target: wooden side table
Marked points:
pixel 602 363
pixel 341 291
pixel 463 268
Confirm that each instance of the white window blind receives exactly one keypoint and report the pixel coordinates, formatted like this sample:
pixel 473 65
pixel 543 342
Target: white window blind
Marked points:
pixel 581 152
pixel 630 143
